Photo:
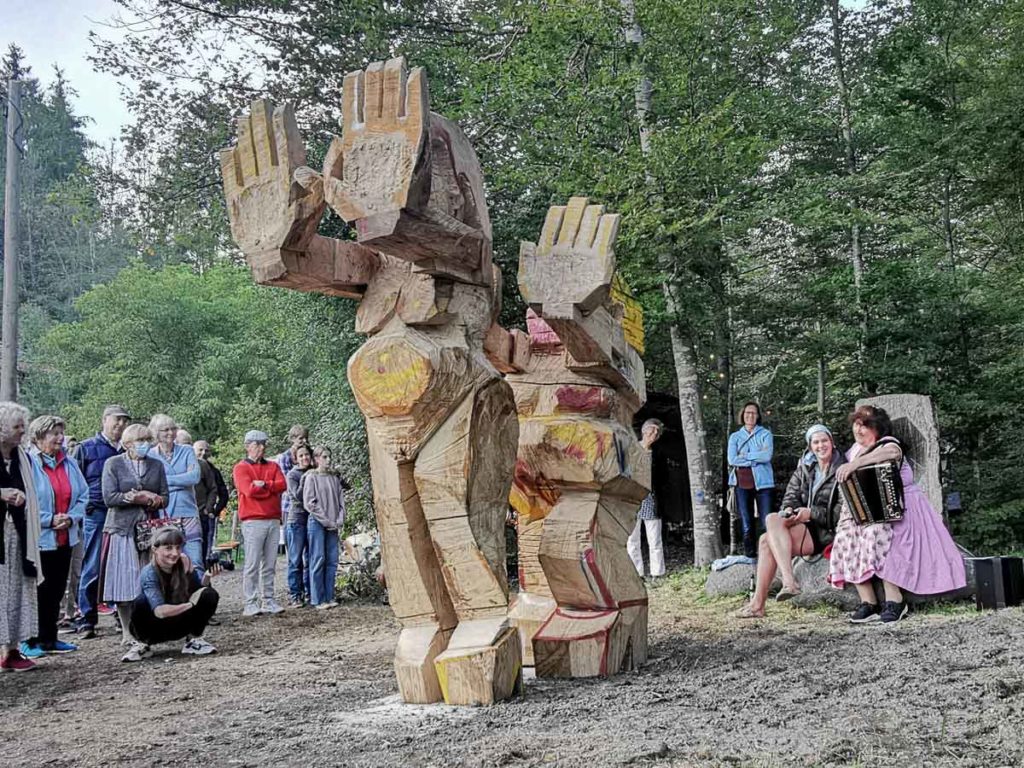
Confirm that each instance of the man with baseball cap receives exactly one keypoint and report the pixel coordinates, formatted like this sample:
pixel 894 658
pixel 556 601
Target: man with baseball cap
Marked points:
pixel 91 455
pixel 259 484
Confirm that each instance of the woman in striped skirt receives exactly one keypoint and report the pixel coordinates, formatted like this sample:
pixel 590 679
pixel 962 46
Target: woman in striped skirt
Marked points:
pixel 134 489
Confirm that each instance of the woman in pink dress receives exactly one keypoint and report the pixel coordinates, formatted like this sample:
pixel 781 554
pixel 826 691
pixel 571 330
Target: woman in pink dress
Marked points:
pixel 915 554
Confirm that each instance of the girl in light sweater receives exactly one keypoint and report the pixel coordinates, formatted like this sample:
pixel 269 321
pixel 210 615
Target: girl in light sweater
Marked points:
pixel 323 496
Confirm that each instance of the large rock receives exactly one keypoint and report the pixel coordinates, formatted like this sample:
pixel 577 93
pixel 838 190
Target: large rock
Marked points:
pixel 913 423
pixel 734 580
pixel 812 576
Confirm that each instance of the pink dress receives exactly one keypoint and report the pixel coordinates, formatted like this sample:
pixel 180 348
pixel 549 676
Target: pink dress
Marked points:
pixel 917 554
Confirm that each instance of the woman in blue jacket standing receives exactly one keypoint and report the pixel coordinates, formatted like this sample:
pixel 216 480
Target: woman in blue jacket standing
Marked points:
pixel 62 493
pixel 182 468
pixel 750 460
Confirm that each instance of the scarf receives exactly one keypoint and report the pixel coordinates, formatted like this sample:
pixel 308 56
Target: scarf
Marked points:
pixel 30 512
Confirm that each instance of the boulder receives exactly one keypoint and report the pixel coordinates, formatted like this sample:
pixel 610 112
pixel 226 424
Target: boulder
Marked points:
pixel 734 580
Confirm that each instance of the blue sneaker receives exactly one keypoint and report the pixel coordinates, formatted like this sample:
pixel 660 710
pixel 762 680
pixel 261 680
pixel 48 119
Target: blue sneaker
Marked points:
pixel 59 646
pixel 30 651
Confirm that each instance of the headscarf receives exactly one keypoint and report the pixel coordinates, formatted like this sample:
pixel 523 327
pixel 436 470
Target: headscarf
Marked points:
pixel 809 457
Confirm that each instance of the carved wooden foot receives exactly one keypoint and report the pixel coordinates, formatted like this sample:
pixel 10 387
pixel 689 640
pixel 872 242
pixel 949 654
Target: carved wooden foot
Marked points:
pixel 591 643
pixel 417 649
pixel 482 664
pixel 527 613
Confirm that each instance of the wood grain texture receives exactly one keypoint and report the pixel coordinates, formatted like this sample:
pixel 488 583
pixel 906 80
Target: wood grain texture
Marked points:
pixel 442 425
pixel 580 471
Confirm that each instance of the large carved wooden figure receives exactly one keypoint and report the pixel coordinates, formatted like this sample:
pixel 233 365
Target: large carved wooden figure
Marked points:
pixel 440 420
pixel 580 472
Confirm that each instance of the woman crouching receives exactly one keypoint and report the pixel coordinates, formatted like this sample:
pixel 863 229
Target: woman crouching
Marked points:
pixel 810 509
pixel 173 603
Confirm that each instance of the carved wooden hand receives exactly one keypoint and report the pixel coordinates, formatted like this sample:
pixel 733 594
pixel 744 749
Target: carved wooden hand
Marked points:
pixel 268 210
pixel 573 263
pixel 380 164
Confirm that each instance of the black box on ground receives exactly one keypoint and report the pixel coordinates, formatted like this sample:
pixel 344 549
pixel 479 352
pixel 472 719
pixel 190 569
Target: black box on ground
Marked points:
pixel 1000 581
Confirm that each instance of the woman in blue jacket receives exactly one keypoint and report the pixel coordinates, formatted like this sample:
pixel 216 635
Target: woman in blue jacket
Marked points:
pixel 182 468
pixel 750 460
pixel 62 492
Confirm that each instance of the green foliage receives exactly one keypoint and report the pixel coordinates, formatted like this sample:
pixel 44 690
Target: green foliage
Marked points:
pixel 217 352
pixel 744 205
pixel 992 531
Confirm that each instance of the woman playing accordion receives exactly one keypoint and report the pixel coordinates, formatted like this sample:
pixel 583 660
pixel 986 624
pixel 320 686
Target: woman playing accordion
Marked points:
pixel 915 554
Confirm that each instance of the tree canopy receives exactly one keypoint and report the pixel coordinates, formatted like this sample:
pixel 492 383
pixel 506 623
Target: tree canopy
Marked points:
pixel 820 201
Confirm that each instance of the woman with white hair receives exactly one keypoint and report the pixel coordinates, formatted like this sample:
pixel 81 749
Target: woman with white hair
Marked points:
pixel 63 493
pixel 134 489
pixel 20 569
pixel 182 468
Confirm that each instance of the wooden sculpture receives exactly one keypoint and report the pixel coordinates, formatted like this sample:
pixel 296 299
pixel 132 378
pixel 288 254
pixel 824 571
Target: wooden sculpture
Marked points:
pixel 441 422
pixel 580 472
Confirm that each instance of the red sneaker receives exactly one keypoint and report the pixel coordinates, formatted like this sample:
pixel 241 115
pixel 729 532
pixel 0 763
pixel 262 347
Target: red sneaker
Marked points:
pixel 105 609
pixel 15 662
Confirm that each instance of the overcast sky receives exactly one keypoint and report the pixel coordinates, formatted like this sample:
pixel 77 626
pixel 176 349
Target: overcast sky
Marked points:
pixel 57 32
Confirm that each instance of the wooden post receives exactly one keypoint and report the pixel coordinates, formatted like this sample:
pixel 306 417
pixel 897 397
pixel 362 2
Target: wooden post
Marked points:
pixel 9 363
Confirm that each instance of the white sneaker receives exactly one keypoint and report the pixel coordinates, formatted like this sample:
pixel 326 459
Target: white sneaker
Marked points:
pixel 271 606
pixel 137 652
pixel 324 606
pixel 252 609
pixel 197 646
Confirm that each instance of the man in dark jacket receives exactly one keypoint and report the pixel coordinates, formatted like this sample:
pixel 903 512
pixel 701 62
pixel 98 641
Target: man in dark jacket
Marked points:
pixel 91 455
pixel 215 493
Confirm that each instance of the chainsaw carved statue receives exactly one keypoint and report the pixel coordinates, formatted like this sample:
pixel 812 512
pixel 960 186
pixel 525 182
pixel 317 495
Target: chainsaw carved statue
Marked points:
pixel 580 472
pixel 441 422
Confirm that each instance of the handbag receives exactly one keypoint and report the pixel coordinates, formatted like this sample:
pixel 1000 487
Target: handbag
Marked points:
pixel 145 529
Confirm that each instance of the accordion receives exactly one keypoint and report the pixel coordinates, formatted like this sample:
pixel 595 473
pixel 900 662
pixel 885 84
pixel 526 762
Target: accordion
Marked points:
pixel 874 494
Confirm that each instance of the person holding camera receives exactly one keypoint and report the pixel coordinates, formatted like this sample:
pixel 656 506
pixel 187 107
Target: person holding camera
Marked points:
pixel 810 509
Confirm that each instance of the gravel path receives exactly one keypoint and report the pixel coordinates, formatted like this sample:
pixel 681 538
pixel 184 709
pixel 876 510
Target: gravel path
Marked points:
pixel 311 688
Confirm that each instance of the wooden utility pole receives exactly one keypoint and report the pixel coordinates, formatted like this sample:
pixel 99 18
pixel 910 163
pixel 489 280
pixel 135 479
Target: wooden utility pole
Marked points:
pixel 9 351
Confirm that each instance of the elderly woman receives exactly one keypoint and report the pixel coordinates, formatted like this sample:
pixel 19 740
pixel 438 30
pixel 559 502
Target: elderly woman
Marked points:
pixel 62 492
pixel 916 553
pixel 182 469
pixel 134 489
pixel 750 461
pixel 20 568
pixel 810 508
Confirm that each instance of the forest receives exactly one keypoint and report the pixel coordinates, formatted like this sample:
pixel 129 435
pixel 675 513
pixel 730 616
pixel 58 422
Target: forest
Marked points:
pixel 821 200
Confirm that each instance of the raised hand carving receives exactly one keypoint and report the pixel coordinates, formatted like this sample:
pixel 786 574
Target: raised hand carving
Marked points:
pixel 573 262
pixel 275 204
pixel 566 278
pixel 381 162
pixel 267 208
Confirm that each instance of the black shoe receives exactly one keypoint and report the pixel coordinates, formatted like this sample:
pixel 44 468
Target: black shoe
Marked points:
pixel 84 630
pixel 894 611
pixel 865 612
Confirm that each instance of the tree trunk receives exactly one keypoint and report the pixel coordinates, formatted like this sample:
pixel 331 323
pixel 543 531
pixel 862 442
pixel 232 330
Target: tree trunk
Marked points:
pixel 850 167
pixel 707 544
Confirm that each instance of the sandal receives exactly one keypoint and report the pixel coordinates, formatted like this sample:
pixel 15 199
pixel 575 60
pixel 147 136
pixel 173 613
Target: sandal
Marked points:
pixel 746 612
pixel 787 593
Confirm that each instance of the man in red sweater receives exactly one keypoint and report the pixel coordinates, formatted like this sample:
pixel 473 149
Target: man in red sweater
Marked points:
pixel 259 484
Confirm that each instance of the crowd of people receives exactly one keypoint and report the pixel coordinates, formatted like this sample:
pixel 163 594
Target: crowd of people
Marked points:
pixel 125 523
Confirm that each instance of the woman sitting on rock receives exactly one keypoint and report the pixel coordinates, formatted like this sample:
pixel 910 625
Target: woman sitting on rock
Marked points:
pixel 173 603
pixel 804 527
pixel 916 553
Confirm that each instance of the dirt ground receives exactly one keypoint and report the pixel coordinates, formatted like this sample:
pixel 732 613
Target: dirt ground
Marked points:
pixel 311 688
